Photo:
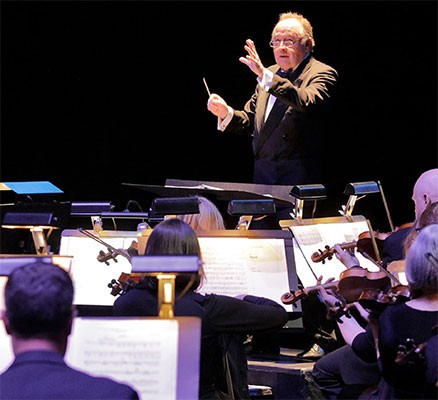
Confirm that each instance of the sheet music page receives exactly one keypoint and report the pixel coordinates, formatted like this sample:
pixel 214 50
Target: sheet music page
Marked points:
pixel 245 266
pixel 7 355
pixel 90 276
pixel 314 238
pixel 140 352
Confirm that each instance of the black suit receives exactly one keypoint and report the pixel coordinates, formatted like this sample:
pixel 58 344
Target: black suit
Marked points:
pixel 45 375
pixel 287 147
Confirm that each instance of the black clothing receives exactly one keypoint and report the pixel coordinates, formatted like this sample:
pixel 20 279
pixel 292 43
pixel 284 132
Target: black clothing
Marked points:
pixel 393 246
pixel 225 323
pixel 287 147
pixel 397 323
pixel 45 375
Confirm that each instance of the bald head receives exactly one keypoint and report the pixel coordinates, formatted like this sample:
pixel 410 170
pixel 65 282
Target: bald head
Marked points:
pixel 425 190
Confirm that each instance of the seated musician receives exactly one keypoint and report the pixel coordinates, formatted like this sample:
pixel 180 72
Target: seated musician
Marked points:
pixel 424 193
pixel 342 368
pixel 400 324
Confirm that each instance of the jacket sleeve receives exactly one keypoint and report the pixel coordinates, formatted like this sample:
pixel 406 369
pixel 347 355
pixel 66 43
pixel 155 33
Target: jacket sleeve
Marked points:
pixel 250 315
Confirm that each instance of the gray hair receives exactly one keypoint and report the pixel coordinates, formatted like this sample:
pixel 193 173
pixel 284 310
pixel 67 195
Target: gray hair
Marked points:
pixel 422 261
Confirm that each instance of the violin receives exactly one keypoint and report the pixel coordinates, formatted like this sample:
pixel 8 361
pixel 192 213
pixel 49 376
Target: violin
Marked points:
pixel 293 296
pixel 376 300
pixel 124 282
pixel 372 300
pixel 355 280
pixel 410 352
pixel 350 285
pixel 365 240
pixel 321 255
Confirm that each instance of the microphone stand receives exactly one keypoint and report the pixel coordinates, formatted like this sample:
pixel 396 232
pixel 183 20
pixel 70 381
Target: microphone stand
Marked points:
pixel 112 251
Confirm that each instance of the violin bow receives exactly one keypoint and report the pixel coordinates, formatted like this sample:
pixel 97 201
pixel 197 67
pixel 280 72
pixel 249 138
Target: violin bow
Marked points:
pixel 374 243
pixel 387 273
pixel 108 246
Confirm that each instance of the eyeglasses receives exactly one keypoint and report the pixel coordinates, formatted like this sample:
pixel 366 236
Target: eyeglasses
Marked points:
pixel 286 42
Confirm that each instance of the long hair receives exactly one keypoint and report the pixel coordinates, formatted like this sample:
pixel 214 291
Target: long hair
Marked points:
pixel 175 237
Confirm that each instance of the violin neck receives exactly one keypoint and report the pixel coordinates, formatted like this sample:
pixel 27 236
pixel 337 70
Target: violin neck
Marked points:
pixel 317 287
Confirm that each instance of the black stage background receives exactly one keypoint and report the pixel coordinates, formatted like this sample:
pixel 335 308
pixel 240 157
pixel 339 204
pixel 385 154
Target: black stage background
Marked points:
pixel 96 93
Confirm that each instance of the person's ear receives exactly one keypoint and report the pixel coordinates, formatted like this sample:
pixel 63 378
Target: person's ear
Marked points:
pixel 307 44
pixel 427 200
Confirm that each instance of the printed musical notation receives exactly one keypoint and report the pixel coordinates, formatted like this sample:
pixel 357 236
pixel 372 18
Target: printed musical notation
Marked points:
pixel 251 266
pixel 141 352
pixel 313 238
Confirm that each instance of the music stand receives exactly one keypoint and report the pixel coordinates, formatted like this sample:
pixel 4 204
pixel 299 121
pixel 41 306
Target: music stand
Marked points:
pixel 219 194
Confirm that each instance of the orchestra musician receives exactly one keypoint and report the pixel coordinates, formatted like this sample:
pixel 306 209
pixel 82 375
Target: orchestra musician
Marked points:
pixel 385 339
pixel 225 320
pixel 342 370
pixel 425 192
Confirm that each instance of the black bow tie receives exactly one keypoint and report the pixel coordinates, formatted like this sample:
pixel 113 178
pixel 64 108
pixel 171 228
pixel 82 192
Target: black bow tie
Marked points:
pixel 284 74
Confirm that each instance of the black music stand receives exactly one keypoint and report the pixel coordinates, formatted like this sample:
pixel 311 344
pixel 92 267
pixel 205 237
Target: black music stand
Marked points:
pixel 214 194
pixel 221 193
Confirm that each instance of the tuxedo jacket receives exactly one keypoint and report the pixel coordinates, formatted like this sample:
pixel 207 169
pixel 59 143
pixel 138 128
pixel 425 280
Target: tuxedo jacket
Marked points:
pixel 287 146
pixel 45 375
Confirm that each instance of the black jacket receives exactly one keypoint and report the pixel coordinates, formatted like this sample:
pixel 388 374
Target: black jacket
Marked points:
pixel 225 323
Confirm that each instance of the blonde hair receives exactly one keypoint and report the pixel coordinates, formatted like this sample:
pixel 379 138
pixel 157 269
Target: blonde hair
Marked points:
pixel 208 218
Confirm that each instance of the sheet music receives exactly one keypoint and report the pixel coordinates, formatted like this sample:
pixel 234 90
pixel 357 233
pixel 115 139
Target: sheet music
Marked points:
pixel 247 266
pixel 90 276
pixel 140 352
pixel 7 355
pixel 312 238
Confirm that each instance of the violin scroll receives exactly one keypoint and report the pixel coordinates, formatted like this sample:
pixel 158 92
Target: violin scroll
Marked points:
pixel 105 257
pixel 124 282
pixel 291 297
pixel 321 255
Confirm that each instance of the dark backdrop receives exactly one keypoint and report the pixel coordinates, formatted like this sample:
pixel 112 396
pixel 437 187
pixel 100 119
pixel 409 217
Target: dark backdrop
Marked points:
pixel 97 93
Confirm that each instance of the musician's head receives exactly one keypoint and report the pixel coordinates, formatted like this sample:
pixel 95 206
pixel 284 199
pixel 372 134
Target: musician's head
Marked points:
pixel 422 261
pixel 208 218
pixel 38 305
pixel 428 216
pixel 175 237
pixel 425 191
